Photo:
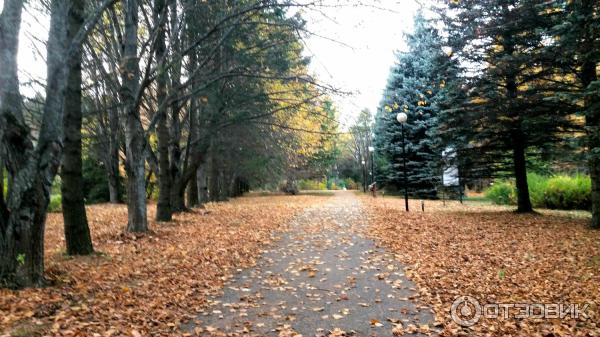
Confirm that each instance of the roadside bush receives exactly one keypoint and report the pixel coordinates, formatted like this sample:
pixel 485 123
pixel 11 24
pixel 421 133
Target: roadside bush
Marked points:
pixel 557 192
pixel 501 193
pixel 537 188
pixel 350 184
pixel 55 204
pixel 565 192
pixel 309 184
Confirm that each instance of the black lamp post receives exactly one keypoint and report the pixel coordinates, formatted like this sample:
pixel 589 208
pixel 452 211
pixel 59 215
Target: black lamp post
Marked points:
pixel 372 152
pixel 402 118
pixel 364 172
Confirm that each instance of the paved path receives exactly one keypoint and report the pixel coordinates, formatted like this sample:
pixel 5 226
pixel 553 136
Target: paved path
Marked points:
pixel 321 279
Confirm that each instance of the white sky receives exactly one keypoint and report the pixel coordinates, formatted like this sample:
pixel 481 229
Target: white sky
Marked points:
pixel 353 51
pixel 369 34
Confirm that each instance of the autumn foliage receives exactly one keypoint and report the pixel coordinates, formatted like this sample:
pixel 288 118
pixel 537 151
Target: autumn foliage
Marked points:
pixel 495 256
pixel 144 285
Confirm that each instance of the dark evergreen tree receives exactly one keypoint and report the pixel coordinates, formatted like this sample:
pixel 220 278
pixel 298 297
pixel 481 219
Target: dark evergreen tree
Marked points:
pixel 502 47
pixel 413 87
pixel 576 52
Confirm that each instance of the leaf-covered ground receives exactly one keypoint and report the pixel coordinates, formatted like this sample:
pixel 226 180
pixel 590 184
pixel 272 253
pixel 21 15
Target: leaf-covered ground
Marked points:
pixel 496 256
pixel 322 279
pixel 144 285
pixel 153 285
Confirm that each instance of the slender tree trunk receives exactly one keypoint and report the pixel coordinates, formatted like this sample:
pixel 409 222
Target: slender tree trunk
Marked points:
pixel 178 196
pixel 202 184
pixel 213 178
pixel 192 192
pixel 592 122
pixel 163 208
pixel 134 132
pixel 114 185
pixel 112 167
pixel 519 140
pixel 77 232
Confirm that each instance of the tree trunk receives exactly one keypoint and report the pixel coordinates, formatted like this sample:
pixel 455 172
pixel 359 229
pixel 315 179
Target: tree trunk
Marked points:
pixel 31 169
pixel 112 166
pixel 520 170
pixel 202 184
pixel 114 185
pixel 192 192
pixel 77 232
pixel 134 132
pixel 163 207
pixel 12 129
pixel 519 140
pixel 592 122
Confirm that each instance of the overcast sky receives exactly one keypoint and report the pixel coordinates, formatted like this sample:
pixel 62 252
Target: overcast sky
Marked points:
pixel 368 36
pixel 353 51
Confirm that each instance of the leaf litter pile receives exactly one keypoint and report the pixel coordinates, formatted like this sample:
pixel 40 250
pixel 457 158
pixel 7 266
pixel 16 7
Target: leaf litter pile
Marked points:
pixel 495 256
pixel 148 284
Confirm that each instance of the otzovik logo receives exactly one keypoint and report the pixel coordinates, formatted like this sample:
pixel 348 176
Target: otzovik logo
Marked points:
pixel 467 311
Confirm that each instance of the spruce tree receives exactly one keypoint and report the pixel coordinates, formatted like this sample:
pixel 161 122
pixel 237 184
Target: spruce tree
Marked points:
pixel 502 47
pixel 412 88
pixel 576 52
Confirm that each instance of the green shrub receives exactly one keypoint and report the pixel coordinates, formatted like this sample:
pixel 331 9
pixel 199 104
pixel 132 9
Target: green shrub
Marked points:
pixel 350 184
pixel 537 188
pixel 501 193
pixel 558 192
pixel 309 184
pixel 55 203
pixel 564 192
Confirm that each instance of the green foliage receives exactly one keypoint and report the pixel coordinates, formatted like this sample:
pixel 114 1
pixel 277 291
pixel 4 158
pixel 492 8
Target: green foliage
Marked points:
pixel 56 185
pixel 501 193
pixel 537 187
pixel 564 192
pixel 95 183
pixel 324 184
pixel 55 204
pixel 557 192
pixel 311 184
pixel 350 184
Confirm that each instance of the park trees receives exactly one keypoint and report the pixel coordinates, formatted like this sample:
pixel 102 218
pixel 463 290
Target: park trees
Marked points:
pixel 361 140
pixel 211 97
pixel 32 162
pixel 183 86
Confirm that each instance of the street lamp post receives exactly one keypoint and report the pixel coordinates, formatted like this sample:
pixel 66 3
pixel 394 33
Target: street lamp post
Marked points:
pixel 372 152
pixel 402 118
pixel 364 172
